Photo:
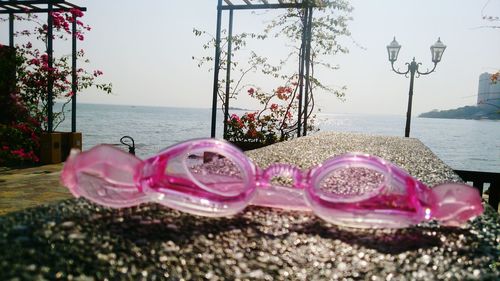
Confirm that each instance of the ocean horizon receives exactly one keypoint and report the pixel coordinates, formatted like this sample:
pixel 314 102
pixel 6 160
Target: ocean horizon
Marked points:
pixel 462 144
pixel 238 109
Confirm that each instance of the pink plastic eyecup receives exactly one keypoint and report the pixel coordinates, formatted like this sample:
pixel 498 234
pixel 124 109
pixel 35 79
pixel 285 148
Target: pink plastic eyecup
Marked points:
pixel 104 175
pixel 455 204
pixel 178 188
pixel 399 201
pixel 385 205
pixel 68 173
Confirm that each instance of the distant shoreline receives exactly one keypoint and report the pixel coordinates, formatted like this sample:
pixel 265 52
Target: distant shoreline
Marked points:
pixel 466 112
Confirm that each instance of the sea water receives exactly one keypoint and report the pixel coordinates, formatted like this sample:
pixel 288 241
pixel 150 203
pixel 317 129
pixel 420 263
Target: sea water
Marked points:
pixel 462 144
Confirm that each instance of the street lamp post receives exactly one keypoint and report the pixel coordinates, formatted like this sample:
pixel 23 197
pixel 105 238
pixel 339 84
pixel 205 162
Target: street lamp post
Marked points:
pixel 393 48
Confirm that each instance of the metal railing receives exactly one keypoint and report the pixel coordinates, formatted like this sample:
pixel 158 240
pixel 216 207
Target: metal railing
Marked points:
pixel 478 180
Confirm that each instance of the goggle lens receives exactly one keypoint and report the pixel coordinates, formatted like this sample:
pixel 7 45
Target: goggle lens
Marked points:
pixel 351 178
pixel 220 174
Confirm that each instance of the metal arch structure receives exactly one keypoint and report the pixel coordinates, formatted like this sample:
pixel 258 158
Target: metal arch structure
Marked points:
pixel 12 7
pixel 304 56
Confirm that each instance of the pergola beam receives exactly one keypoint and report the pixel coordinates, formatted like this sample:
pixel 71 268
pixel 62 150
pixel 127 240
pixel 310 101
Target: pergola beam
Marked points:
pixel 39 11
pixel 32 2
pixel 228 69
pixel 50 78
pixel 268 4
pixel 307 61
pixel 11 30
pixel 263 6
pixel 216 70
pixel 31 6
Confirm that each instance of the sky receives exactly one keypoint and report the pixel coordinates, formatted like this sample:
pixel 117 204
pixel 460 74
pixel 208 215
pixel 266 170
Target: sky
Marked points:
pixel 145 50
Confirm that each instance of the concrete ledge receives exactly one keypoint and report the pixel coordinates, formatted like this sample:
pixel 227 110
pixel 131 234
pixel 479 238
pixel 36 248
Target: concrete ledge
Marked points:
pixel 408 153
pixel 77 240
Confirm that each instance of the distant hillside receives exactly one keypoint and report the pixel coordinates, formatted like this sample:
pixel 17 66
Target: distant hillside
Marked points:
pixel 466 112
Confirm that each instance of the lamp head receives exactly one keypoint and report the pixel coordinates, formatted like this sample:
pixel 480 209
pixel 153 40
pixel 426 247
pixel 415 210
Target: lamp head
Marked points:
pixel 437 51
pixel 393 50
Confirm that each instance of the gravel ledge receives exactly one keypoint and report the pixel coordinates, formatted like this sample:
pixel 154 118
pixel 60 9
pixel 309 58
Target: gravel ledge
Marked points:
pixel 77 240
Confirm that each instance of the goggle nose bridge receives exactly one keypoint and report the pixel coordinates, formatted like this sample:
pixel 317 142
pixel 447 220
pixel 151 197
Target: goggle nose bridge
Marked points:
pixel 284 170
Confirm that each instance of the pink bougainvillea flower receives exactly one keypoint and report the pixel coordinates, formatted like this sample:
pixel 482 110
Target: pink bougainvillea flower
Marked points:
pixel 34 61
pixel 283 90
pixel 44 58
pixel 76 12
pixel 235 117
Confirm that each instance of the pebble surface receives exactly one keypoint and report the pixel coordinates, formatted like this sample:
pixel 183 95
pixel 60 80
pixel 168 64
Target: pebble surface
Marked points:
pixel 77 240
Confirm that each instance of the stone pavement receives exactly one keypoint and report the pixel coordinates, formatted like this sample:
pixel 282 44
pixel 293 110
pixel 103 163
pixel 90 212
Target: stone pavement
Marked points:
pixel 30 187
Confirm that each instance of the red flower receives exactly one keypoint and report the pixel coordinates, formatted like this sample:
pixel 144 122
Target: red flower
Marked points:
pixel 44 58
pixel 283 93
pixel 60 22
pixel 34 61
pixel 274 107
pixel 240 124
pixel 251 91
pixel 251 117
pixel 252 133
pixel 18 152
pixel 76 12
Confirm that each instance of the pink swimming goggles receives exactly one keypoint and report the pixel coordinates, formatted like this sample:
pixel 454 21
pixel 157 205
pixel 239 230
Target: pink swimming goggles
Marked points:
pixel 213 178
